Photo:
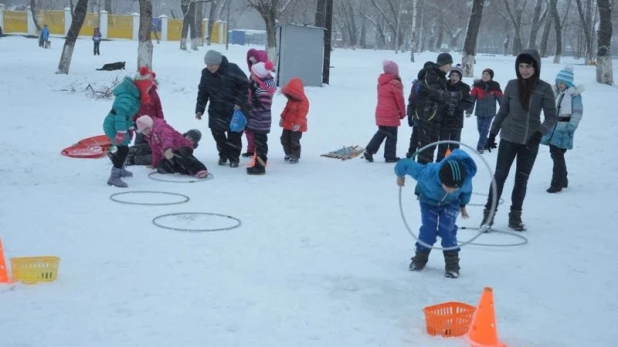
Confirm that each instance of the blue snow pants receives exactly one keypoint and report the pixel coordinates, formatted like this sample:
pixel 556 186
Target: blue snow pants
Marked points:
pixel 438 221
pixel 483 124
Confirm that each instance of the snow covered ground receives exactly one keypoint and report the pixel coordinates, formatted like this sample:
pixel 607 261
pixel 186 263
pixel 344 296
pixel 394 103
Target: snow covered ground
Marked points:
pixel 321 257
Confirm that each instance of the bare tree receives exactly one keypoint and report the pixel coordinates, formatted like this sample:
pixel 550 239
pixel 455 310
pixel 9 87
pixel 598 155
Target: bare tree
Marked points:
pixel 211 20
pixel 327 41
pixel 199 23
pixel 604 53
pixel 536 24
pixel 79 15
pixel 269 10
pixel 33 10
pixel 144 47
pixel 413 27
pixel 469 50
pixel 558 25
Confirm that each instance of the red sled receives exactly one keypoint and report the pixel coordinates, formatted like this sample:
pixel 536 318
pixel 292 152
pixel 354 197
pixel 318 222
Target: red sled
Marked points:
pixel 91 148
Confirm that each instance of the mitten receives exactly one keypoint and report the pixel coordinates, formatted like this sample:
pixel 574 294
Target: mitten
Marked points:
pixel 169 154
pixel 535 139
pixel 120 136
pixel 296 127
pixel 491 143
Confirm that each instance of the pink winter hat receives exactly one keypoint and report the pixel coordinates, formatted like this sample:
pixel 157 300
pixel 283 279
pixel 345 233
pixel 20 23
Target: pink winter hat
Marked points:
pixel 143 122
pixel 262 70
pixel 390 67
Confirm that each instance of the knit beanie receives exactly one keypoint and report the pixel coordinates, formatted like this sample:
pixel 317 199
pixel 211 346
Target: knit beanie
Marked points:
pixel 566 76
pixel 144 80
pixel 456 70
pixel 490 72
pixel 390 67
pixel 195 136
pixel 452 174
pixel 262 70
pixel 143 122
pixel 213 57
pixel 444 59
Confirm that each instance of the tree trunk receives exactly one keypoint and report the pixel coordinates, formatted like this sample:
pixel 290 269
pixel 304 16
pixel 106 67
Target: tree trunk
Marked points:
pixel 144 46
pixel 536 24
pixel 469 49
pixel 79 15
pixel 557 29
pixel 188 9
pixel 545 37
pixel 271 34
pixel 108 6
pixel 586 29
pixel 363 33
pixel 327 41
pixel 211 21
pixel 320 14
pixel 420 28
pixel 199 23
pixel 34 10
pixel 604 54
pixel 413 27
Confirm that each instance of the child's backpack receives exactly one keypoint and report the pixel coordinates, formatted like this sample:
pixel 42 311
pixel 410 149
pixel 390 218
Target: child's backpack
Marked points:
pixel 239 121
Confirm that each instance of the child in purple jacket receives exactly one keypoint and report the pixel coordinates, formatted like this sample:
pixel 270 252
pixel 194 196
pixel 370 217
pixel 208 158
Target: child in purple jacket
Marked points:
pixel 261 91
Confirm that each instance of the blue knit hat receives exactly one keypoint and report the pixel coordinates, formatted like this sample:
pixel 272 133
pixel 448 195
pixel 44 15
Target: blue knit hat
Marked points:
pixel 452 174
pixel 566 76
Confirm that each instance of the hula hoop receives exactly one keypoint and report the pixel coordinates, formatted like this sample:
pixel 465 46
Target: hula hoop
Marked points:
pixel 238 222
pixel 482 229
pixel 524 240
pixel 184 197
pixel 500 202
pixel 207 178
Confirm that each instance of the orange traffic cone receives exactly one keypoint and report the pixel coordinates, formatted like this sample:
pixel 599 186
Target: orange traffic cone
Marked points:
pixel 448 152
pixel 4 274
pixel 483 330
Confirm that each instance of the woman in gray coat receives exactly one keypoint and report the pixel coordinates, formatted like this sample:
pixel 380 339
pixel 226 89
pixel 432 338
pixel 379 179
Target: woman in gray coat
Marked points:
pixel 519 124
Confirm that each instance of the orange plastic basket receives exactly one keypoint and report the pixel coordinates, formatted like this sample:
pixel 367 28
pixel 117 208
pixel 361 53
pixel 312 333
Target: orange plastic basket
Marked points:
pixel 30 270
pixel 449 319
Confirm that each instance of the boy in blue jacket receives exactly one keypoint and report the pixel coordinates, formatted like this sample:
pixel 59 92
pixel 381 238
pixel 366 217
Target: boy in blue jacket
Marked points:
pixel 444 190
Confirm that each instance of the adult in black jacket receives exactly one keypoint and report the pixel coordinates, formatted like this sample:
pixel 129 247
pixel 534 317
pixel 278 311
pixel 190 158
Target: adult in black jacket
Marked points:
pixel 452 120
pixel 431 100
pixel 225 86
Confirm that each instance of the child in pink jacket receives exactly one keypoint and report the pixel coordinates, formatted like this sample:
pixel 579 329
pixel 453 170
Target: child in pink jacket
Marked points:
pixel 390 110
pixel 171 152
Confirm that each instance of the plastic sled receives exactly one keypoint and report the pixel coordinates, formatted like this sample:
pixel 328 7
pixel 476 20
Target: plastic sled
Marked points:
pixel 345 153
pixel 100 140
pixel 80 151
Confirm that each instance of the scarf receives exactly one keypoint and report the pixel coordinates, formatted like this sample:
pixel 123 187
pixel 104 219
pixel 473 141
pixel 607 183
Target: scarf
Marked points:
pixel 563 102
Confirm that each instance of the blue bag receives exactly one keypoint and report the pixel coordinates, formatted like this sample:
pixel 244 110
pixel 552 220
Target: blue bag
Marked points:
pixel 239 121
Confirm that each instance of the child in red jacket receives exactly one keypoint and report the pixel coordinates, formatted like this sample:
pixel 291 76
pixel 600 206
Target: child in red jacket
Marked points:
pixel 293 119
pixel 390 110
pixel 171 152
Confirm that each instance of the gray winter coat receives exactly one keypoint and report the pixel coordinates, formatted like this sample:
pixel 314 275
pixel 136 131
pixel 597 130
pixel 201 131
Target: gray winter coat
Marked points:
pixel 514 123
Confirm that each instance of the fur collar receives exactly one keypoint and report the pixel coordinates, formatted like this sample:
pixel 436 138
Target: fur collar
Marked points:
pixel 576 90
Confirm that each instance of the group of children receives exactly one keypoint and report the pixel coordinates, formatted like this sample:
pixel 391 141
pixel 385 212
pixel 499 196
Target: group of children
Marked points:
pixel 444 188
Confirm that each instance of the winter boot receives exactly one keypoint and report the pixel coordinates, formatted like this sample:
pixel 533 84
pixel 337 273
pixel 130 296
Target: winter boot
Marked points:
pixel 286 158
pixel 419 260
pixel 222 161
pixel 451 269
pixel 293 160
pixel 566 183
pixel 124 172
pixel 486 220
pixel 258 168
pixel 114 179
pixel 368 156
pixel 554 189
pixel 515 222
pixel 247 154
pixel 392 160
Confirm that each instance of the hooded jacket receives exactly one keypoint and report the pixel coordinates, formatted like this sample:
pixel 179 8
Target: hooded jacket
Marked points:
pixel 515 123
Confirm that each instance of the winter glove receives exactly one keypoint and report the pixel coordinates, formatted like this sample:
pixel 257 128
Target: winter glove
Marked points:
pixel 464 212
pixel 535 139
pixel 120 136
pixel 401 181
pixel 198 115
pixel 296 127
pixel 491 143
pixel 411 120
pixel 169 154
pixel 131 133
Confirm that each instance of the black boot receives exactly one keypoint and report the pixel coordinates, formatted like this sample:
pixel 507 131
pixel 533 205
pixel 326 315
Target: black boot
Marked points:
pixel 419 261
pixel 258 168
pixel 451 269
pixel 368 156
pixel 554 189
pixel 486 220
pixel 247 154
pixel 515 222
pixel 566 183
pixel 222 161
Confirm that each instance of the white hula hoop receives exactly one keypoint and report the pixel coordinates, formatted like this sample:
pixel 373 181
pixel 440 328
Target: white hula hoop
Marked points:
pixel 483 227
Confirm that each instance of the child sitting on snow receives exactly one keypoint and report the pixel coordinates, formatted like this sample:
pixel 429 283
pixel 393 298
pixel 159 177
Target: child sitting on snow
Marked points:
pixel 445 189
pixel 171 151
pixel 140 153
